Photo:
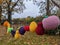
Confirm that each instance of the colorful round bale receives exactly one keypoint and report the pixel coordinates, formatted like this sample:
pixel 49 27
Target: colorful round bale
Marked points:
pixel 22 31
pixel 26 28
pixel 33 26
pixel 40 29
pixel 13 33
pixel 50 23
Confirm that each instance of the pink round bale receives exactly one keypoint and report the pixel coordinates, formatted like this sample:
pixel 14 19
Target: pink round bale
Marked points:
pixel 50 23
pixel 59 22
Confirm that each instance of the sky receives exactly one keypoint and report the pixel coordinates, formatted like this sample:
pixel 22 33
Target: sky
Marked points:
pixel 31 10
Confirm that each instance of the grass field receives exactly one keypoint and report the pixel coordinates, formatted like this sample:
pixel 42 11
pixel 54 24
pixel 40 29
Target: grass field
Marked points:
pixel 30 39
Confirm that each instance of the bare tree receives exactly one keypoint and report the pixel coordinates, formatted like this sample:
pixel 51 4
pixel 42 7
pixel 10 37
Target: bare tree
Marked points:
pixel 46 8
pixel 9 7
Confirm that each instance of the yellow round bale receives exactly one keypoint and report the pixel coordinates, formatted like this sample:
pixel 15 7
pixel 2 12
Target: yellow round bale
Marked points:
pixel 33 26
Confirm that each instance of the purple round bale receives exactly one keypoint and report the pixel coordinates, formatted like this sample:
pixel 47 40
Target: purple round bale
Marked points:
pixel 22 31
pixel 13 32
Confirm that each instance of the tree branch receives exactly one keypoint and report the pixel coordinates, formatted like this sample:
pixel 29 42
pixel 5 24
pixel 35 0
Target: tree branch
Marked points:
pixel 55 3
pixel 14 4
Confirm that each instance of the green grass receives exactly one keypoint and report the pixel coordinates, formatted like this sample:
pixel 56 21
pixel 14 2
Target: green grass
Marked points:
pixel 30 39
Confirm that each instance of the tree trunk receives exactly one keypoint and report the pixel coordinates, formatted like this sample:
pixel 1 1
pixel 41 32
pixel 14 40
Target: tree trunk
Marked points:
pixel 9 12
pixel 47 9
pixel 9 16
pixel 0 13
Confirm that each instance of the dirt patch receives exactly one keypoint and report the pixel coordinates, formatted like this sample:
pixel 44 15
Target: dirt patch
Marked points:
pixel 2 30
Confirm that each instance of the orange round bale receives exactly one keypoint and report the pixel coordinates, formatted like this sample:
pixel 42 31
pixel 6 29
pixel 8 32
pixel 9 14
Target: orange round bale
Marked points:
pixel 6 24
